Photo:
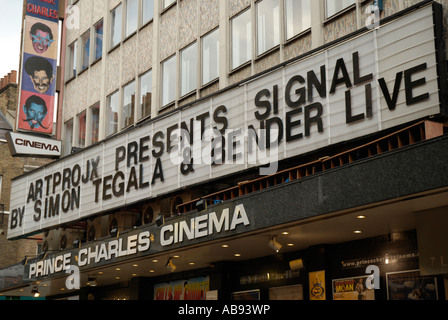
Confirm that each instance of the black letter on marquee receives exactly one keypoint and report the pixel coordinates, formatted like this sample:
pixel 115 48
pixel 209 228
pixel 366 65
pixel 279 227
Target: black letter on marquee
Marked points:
pixel 120 155
pixel 263 104
pixel 410 85
pixel 340 66
pixel 159 144
pixel 222 120
pixel 356 72
pixel 391 101
pixel 291 124
pixel 316 119
pixel 158 172
pixel 320 86
pixel 301 92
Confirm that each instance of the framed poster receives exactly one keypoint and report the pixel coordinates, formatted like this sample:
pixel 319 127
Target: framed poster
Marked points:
pixel 246 295
pixel 352 289
pixel 409 285
pixel 317 285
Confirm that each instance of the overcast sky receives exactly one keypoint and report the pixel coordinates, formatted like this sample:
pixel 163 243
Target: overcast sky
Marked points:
pixel 10 26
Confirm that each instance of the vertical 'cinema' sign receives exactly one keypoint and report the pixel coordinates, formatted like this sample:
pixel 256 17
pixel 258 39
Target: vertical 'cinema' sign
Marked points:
pixel 39 66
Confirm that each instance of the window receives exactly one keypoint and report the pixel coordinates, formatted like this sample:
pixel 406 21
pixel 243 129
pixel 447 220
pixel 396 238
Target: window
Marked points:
pixel 116 17
pixel 68 127
pixel 112 105
pixel 73 51
pixel 189 63
pixel 128 104
pixel 98 39
pixel 334 6
pixel 169 81
pixel 210 57
pixel 268 25
pixel 95 123
pixel 82 129
pixel 167 3
pixel 241 39
pixel 131 16
pixel 147 10
pixel 297 17
pixel 85 39
pixel 145 94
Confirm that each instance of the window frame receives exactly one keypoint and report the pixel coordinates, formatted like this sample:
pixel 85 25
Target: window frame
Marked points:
pixel 109 112
pixel 193 46
pixel 162 82
pixel 95 40
pixel 72 70
pixel 202 55
pixel 85 39
pixel 143 11
pixel 113 24
pixel 68 140
pixel 277 43
pixel 140 114
pixel 129 33
pixel 303 29
pixel 338 12
pixel 231 28
pixel 91 125
pixel 81 130
pixel 124 107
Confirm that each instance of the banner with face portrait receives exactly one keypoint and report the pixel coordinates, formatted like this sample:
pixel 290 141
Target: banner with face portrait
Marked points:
pixel 36 109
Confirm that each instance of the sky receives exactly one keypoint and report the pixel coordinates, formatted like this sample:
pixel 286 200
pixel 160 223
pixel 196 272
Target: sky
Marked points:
pixel 10 27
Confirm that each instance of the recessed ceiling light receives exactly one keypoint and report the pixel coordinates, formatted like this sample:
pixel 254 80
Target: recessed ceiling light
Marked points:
pixel 176 256
pixel 117 269
pixel 357 231
pixel 191 263
pixel 155 260
pixel 285 233
pixel 118 278
pixel 151 271
pixel 100 272
pixel 237 255
pixel 361 217
pixel 135 265
pixel 290 245
pixel 134 274
pixel 225 246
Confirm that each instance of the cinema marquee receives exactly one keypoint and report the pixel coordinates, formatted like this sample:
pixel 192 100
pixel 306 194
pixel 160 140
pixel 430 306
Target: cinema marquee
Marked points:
pixel 376 80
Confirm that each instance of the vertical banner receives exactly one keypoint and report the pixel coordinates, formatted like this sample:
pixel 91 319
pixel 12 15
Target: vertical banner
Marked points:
pixel 35 111
pixel 317 285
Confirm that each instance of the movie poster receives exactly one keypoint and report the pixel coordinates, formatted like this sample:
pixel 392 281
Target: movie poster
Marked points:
pixel 352 289
pixel 317 285
pixel 409 285
pixel 35 112
pixel 191 289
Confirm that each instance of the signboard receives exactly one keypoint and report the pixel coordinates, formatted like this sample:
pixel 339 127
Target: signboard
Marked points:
pixel 35 111
pixel 375 81
pixel 317 285
pixel 31 145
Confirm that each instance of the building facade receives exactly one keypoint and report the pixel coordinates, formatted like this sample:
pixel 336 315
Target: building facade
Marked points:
pixel 269 149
